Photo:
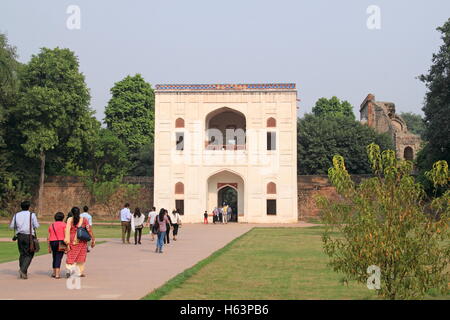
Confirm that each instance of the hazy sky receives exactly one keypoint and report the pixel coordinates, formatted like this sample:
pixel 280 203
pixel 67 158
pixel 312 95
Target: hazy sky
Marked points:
pixel 323 46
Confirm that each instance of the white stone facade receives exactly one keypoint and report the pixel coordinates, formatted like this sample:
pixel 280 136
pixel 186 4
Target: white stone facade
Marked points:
pixel 242 164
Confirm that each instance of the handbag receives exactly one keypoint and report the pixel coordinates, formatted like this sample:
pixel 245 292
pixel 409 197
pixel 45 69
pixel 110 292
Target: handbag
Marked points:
pixel 14 238
pixel 62 246
pixel 155 228
pixel 34 241
pixel 83 234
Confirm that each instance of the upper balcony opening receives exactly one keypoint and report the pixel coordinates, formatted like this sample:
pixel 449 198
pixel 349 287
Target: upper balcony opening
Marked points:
pixel 225 130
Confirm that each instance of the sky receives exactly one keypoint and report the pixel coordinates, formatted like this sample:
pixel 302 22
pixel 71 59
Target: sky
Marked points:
pixel 324 46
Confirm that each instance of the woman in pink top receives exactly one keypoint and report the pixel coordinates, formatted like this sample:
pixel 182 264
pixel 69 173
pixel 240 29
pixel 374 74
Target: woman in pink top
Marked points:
pixel 55 235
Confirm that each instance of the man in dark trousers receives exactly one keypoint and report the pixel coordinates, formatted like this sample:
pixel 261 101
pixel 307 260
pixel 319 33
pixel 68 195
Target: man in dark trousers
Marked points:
pixel 23 234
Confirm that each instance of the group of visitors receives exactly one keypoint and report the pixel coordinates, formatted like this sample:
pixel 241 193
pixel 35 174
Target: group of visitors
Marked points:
pixel 70 237
pixel 220 214
pixel 159 225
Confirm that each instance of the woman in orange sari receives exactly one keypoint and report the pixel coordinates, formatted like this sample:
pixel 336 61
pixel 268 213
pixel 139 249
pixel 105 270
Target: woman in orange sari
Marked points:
pixel 77 249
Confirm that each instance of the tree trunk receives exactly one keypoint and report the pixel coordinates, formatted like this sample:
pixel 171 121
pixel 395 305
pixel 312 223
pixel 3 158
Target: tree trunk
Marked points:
pixel 41 183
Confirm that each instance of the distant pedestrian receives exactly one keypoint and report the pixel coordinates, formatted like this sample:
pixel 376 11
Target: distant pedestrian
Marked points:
pixel 229 213
pixel 125 220
pixel 56 245
pixel 161 223
pixel 220 215
pixel 175 219
pixel 168 224
pixel 215 215
pixel 77 251
pixel 86 215
pixel 137 224
pixel 225 213
pixel 24 224
pixel 151 221
pixel 205 217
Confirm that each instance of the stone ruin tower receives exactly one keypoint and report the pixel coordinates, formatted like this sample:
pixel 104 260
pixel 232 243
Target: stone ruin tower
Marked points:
pixel 382 117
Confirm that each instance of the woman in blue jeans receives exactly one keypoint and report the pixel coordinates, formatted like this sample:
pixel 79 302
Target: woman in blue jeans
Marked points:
pixel 162 220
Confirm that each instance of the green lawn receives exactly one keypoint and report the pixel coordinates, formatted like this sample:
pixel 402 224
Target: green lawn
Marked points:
pixel 99 231
pixel 266 263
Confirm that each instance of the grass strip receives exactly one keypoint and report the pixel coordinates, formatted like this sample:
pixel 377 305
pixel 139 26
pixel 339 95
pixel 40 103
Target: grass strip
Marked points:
pixel 179 279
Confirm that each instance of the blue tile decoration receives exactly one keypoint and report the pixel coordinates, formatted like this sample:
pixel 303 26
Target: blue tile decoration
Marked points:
pixel 180 87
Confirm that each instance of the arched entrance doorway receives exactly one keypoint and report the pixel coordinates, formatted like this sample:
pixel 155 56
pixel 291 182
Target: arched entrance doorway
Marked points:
pixel 408 154
pixel 229 196
pixel 226 186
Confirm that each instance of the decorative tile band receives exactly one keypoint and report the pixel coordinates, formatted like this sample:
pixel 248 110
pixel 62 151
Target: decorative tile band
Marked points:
pixel 255 86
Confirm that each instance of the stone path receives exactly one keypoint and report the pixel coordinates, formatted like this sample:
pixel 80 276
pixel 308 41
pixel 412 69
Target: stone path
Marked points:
pixel 118 271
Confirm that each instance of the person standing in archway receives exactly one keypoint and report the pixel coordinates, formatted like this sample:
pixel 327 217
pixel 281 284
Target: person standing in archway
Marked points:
pixel 225 213
pixel 221 215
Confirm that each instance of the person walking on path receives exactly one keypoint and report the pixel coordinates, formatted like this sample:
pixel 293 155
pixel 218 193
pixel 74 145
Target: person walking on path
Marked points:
pixel 137 224
pixel 229 213
pixel 220 215
pixel 168 224
pixel 24 224
pixel 215 215
pixel 125 220
pixel 77 248
pixel 161 220
pixel 86 215
pixel 56 234
pixel 151 221
pixel 176 221
pixel 205 217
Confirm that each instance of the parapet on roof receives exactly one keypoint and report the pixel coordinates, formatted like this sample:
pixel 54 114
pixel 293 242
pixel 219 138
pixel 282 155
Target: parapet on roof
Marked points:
pixel 226 87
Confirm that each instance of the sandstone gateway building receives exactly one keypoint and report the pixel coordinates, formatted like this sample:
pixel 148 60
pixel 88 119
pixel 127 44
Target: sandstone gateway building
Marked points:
pixel 227 143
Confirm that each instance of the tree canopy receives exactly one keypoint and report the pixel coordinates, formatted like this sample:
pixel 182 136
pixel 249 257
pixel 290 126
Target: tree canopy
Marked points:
pixel 333 107
pixel 437 105
pixel 130 112
pixel 320 138
pixel 414 122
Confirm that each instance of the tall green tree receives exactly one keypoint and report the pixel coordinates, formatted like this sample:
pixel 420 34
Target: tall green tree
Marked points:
pixel 10 188
pixel 53 108
pixel 437 105
pixel 414 122
pixel 333 107
pixel 320 138
pixel 106 157
pixel 130 112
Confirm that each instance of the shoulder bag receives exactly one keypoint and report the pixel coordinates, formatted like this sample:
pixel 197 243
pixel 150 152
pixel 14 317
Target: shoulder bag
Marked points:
pixel 62 246
pixel 82 233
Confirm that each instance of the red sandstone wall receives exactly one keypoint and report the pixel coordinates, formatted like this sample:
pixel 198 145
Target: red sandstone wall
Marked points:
pixel 63 193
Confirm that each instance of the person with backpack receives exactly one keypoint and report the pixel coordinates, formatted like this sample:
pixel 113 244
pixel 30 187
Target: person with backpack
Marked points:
pixel 25 224
pixel 56 245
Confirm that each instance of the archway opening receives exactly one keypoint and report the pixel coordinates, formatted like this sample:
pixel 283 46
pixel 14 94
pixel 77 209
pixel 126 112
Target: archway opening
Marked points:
pixel 228 196
pixel 408 154
pixel 226 186
pixel 225 130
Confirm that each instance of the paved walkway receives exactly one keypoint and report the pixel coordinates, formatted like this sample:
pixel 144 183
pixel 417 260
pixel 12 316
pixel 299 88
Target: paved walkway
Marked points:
pixel 118 271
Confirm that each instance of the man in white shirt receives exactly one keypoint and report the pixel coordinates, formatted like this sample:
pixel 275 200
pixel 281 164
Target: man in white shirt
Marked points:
pixel 88 217
pixel 23 234
pixel 151 221
pixel 125 220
